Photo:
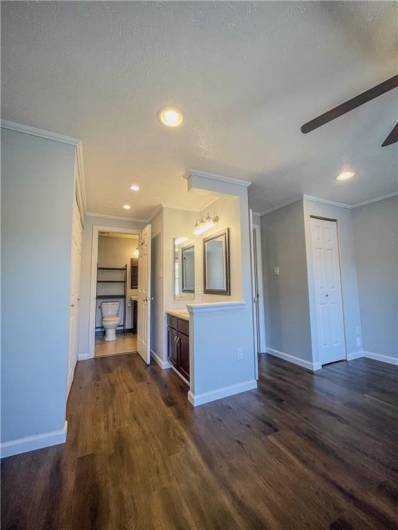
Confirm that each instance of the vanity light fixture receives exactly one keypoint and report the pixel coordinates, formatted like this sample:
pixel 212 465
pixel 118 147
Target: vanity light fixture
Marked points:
pixel 136 253
pixel 345 175
pixel 171 117
pixel 126 206
pixel 180 240
pixel 135 187
pixel 204 225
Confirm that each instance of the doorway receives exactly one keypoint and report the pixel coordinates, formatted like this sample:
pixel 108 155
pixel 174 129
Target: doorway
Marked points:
pixel 325 258
pixel 116 293
pixel 142 294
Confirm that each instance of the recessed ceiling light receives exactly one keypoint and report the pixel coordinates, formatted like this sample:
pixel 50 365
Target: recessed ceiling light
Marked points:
pixel 171 117
pixel 135 187
pixel 345 175
pixel 126 206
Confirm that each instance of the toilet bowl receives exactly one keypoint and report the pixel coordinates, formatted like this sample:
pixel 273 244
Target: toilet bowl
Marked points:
pixel 110 319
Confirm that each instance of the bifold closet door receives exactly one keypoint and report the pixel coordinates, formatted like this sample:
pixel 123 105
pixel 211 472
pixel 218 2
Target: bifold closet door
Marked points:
pixel 327 288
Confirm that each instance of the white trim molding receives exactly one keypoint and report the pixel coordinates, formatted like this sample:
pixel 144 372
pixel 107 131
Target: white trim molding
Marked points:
pixel 313 367
pixel 374 356
pixel 117 218
pixel 42 133
pixel 84 357
pixel 215 306
pixel 354 355
pixel 226 391
pixel 164 365
pixel 326 201
pixel 377 199
pixel 218 178
pixel 31 443
pixel 381 357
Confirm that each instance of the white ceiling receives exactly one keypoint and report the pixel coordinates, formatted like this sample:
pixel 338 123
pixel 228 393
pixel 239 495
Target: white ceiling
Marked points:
pixel 246 75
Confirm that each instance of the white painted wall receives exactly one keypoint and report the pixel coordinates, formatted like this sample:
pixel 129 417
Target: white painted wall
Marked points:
pixel 375 228
pixel 37 198
pixel 85 282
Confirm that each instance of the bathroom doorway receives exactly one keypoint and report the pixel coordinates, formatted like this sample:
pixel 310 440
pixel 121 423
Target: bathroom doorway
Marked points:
pixel 116 293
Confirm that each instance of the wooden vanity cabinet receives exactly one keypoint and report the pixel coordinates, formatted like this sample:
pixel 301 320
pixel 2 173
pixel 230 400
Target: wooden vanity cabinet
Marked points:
pixel 178 344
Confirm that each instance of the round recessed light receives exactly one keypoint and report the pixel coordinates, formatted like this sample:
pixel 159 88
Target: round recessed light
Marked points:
pixel 345 175
pixel 126 206
pixel 135 187
pixel 171 117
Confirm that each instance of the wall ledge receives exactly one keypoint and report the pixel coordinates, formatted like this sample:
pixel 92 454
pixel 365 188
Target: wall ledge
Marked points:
pixel 226 391
pixel 215 306
pixel 313 367
pixel 31 443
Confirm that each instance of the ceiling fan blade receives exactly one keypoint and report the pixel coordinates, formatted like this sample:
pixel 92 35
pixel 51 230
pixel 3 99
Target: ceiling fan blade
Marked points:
pixel 392 137
pixel 351 104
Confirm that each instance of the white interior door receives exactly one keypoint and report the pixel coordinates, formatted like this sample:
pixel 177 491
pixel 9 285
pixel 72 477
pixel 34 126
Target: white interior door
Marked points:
pixel 327 287
pixel 144 295
pixel 76 255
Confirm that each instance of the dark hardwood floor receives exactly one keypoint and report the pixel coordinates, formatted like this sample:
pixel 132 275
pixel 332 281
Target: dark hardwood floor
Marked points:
pixel 313 451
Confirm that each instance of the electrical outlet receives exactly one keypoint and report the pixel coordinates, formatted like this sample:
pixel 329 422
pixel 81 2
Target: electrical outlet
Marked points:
pixel 239 354
pixel 359 342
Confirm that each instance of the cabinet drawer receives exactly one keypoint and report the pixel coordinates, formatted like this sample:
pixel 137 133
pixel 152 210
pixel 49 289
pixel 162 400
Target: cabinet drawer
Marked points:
pixel 183 326
pixel 172 322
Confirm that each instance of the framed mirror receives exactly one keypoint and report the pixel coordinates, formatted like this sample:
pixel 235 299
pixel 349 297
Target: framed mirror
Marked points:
pixel 216 264
pixel 188 269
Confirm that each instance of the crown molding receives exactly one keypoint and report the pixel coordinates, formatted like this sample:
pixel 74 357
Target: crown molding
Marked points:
pixel 81 180
pixel 157 210
pixel 326 201
pixel 218 178
pixel 273 209
pixel 116 217
pixel 42 133
pixel 377 199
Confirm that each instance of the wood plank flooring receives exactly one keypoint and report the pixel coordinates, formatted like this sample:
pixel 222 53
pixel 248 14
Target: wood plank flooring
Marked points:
pixel 122 344
pixel 303 451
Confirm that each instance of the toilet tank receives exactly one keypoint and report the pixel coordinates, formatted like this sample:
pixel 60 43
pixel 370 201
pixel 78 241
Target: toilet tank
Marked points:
pixel 110 309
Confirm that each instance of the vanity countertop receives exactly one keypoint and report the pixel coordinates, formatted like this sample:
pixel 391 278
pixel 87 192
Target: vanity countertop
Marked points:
pixel 179 313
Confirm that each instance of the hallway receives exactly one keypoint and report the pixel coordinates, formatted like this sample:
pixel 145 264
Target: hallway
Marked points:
pixel 139 456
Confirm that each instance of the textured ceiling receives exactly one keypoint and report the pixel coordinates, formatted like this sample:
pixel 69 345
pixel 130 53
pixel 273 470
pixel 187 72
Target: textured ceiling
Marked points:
pixel 246 75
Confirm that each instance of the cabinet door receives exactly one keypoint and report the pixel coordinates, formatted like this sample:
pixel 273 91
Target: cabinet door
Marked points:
pixel 173 347
pixel 183 361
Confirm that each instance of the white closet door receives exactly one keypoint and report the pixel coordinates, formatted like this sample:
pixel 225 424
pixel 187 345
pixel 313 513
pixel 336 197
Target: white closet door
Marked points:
pixel 144 295
pixel 76 256
pixel 327 287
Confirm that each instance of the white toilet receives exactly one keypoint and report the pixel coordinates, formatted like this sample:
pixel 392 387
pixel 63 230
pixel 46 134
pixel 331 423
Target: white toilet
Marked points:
pixel 110 319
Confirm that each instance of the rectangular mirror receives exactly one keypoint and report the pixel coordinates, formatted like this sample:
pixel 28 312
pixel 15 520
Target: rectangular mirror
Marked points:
pixel 216 264
pixel 184 268
pixel 188 269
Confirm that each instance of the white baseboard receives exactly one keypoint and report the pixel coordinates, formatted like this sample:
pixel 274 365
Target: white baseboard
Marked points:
pixel 380 357
pixel 84 356
pixel 313 367
pixel 355 355
pixel 163 364
pixel 213 395
pixel 31 443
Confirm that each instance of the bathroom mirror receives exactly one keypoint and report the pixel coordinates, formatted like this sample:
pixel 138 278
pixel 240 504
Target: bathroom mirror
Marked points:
pixel 184 268
pixel 188 269
pixel 216 265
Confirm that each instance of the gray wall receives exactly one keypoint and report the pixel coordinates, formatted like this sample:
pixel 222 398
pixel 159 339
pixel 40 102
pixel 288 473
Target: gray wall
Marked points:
pixel 286 295
pixel 37 198
pixel 376 250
